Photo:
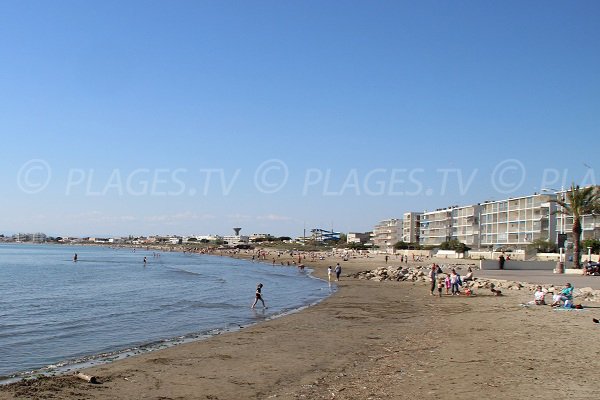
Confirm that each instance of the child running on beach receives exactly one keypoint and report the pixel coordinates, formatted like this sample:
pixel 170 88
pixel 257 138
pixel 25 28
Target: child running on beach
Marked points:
pixel 259 296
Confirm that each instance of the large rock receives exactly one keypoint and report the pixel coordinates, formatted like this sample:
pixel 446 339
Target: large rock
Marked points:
pixel 420 274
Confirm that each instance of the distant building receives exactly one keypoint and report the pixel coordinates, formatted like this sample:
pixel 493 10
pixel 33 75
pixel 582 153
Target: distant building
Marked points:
pixel 411 225
pixel 436 227
pixel 236 239
pixel 517 222
pixel 358 238
pixel 387 233
pixel 465 225
pixel 174 240
pixel 101 240
pixel 260 237
pixel 38 237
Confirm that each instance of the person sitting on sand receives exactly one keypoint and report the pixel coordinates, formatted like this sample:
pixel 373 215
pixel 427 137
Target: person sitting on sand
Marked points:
pixel 469 276
pixel 538 296
pixel 565 295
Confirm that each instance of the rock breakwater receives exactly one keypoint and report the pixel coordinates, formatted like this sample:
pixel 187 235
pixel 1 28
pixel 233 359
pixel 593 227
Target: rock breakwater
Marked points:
pixel 421 274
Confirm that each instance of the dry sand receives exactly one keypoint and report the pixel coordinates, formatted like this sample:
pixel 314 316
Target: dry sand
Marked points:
pixel 370 340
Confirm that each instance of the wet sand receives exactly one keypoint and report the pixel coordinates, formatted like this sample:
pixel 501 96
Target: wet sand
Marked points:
pixel 370 340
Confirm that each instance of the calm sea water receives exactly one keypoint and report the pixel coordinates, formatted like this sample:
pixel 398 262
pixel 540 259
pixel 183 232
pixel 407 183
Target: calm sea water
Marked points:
pixel 54 312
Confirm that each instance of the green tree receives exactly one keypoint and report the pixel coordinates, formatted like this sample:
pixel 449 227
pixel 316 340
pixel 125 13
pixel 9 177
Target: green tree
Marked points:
pixel 461 248
pixel 578 202
pixel 455 245
pixel 543 246
pixel 357 246
pixel 401 245
pixel 343 238
pixel 594 244
pixel 407 246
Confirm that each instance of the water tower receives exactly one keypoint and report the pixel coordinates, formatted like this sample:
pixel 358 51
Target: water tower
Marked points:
pixel 237 231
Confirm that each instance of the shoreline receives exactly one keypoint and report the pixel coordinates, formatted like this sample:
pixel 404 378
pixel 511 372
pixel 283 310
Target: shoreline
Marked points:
pixel 68 366
pixel 369 339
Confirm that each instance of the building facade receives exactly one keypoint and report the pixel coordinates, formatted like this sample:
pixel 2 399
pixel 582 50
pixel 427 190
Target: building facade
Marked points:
pixel 517 222
pixel 436 227
pixel 411 225
pixel 358 238
pixel 387 233
pixel 465 225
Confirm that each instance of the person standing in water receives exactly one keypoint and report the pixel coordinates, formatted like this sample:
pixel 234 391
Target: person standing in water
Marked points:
pixel 145 261
pixel 75 258
pixel 258 296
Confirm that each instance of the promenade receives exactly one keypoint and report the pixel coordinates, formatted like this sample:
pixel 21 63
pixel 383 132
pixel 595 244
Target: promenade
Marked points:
pixel 542 277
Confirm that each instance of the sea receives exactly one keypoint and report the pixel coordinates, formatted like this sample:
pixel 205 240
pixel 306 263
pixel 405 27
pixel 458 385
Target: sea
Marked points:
pixel 57 315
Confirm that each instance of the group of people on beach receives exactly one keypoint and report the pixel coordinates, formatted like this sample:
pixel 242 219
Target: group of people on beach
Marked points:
pixel 563 298
pixel 337 270
pixel 452 282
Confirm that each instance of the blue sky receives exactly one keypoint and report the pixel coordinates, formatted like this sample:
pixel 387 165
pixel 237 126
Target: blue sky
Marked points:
pixel 191 117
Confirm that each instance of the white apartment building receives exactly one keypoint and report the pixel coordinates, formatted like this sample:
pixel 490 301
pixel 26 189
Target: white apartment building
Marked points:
pixel 387 233
pixel 411 226
pixel 518 222
pixel 436 227
pixel 235 240
pixel 465 225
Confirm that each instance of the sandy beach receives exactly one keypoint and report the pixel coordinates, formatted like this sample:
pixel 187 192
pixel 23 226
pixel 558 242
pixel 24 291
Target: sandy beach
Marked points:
pixel 370 340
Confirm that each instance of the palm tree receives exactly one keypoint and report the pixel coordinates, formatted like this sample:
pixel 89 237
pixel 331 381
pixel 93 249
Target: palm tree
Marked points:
pixel 577 203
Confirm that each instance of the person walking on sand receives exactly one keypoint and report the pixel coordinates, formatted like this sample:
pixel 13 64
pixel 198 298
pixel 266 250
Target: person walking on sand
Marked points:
pixel 433 277
pixel 338 271
pixel 329 273
pixel 258 296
